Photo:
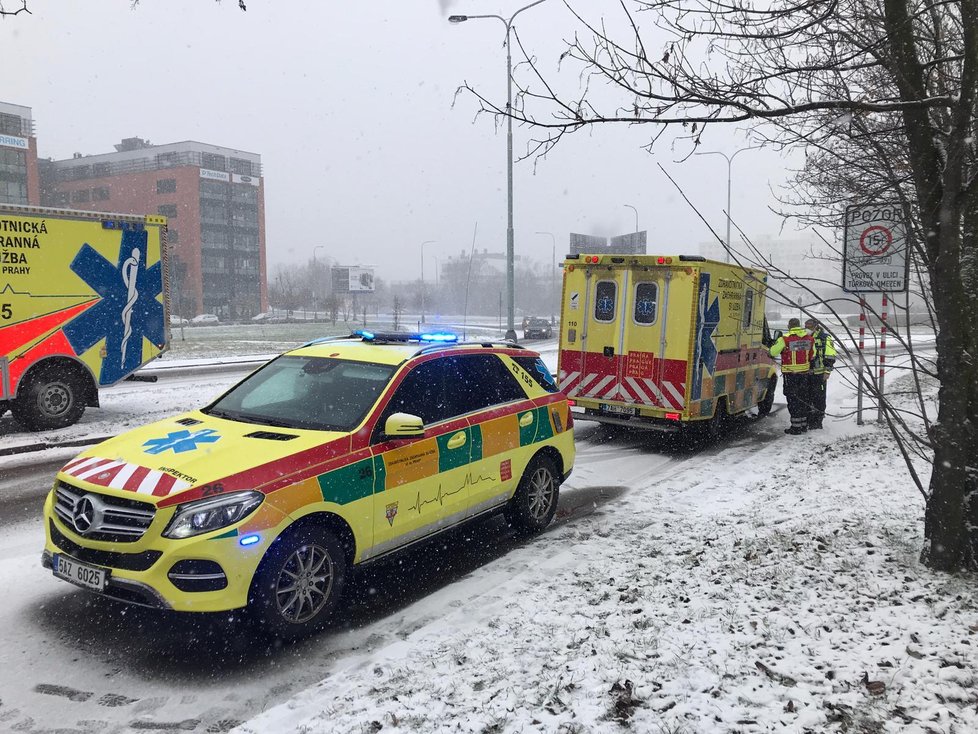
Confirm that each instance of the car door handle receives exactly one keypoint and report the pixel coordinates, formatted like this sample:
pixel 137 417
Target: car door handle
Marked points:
pixel 526 419
pixel 457 441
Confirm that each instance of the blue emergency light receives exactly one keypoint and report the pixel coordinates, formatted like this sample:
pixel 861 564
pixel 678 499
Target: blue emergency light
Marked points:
pixel 249 540
pixel 438 336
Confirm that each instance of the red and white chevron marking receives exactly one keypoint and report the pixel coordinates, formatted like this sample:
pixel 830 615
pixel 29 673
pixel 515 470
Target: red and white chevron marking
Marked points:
pixel 638 390
pixel 122 475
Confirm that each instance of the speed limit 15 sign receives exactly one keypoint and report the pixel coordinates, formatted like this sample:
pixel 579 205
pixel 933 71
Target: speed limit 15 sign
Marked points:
pixel 874 249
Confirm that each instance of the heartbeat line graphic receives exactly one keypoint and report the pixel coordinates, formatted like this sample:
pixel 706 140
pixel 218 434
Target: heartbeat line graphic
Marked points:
pixel 441 495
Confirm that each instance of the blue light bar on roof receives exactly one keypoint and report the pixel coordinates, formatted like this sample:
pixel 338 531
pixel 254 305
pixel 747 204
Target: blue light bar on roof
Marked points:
pixel 367 335
pixel 439 336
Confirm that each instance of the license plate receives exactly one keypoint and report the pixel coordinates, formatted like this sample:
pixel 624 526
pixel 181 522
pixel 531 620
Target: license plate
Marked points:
pixel 620 409
pixel 91 577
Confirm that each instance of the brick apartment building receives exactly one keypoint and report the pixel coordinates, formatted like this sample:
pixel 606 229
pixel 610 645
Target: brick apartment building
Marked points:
pixel 19 181
pixel 213 198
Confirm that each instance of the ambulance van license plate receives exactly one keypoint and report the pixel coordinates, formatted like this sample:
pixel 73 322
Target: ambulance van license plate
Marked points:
pixel 91 577
pixel 620 409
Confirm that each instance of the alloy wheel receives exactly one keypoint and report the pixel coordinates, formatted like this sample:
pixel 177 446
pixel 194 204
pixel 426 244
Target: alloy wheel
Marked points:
pixel 304 583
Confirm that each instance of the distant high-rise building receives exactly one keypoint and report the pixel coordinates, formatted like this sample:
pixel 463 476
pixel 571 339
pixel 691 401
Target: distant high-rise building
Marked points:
pixel 19 182
pixel 213 198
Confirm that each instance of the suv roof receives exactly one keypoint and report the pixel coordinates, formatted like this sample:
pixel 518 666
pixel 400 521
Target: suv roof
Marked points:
pixel 392 347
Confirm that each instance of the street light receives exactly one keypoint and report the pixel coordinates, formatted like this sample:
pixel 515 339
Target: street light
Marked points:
pixel 636 215
pixel 315 274
pixel 553 273
pixel 510 307
pixel 426 242
pixel 729 160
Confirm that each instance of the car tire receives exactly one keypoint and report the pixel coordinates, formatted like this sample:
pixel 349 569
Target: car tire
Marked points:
pixel 298 583
pixel 49 399
pixel 534 503
pixel 764 407
pixel 713 428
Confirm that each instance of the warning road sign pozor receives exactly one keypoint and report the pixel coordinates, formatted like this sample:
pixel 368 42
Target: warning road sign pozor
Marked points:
pixel 874 249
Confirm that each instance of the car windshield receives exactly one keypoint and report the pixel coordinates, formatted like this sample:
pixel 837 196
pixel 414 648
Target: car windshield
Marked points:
pixel 305 392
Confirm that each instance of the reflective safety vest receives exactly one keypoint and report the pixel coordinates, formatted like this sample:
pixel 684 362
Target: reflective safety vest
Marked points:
pixel 823 357
pixel 795 347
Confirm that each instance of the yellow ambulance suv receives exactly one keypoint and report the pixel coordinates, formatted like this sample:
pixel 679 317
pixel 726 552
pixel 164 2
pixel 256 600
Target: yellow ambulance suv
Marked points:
pixel 332 455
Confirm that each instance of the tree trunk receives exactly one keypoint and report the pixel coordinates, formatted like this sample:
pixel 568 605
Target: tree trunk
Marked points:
pixel 951 519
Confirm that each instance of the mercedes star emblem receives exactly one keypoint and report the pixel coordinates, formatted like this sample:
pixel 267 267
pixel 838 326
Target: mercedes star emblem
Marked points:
pixel 84 515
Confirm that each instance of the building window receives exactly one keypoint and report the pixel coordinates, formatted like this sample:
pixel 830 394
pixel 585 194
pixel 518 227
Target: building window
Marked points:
pixel 213 162
pixel 167 210
pixel 241 167
pixel 100 169
pixel 213 188
pixel 81 196
pixel 166 186
pixel 172 236
pixel 100 194
pixel 62 197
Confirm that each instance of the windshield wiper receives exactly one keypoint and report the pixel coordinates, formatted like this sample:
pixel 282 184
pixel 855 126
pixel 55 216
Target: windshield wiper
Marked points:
pixel 231 415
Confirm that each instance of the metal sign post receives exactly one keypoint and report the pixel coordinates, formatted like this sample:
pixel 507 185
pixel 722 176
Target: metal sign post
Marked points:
pixel 881 351
pixel 862 361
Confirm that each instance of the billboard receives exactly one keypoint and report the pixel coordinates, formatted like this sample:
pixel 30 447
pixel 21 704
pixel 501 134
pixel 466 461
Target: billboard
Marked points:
pixel 352 279
pixel 874 254
pixel 623 244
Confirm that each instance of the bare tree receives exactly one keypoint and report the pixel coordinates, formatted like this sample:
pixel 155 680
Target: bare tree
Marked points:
pixel 897 77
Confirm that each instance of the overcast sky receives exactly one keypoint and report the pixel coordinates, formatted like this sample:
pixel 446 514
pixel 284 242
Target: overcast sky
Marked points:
pixel 350 105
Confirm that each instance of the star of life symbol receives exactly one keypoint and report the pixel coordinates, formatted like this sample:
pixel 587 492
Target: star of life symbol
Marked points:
pixel 181 441
pixel 606 304
pixel 130 268
pixel 645 307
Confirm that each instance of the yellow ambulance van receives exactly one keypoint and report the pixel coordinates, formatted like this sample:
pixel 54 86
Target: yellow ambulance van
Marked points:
pixel 82 306
pixel 660 342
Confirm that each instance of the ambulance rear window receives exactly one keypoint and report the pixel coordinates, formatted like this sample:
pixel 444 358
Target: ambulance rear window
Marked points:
pixel 605 295
pixel 646 303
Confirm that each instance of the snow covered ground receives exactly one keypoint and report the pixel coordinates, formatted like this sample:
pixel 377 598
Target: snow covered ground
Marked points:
pixel 768 583
pixel 772 585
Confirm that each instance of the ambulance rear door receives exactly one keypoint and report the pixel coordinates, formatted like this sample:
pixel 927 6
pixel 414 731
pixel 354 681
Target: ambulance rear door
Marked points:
pixel 602 333
pixel 647 377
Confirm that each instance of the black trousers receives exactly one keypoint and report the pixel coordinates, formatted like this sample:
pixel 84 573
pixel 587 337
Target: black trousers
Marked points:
pixel 816 396
pixel 796 393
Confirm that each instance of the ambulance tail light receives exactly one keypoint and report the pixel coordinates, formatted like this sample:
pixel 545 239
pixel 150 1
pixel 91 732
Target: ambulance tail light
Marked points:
pixel 571 403
pixel 672 416
pixel 663 260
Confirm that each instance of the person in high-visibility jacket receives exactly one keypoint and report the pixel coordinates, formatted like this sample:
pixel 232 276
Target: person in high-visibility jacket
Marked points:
pixel 795 348
pixel 823 360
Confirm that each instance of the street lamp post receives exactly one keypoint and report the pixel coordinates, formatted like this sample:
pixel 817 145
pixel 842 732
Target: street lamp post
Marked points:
pixel 636 215
pixel 553 273
pixel 510 278
pixel 729 160
pixel 426 242
pixel 315 274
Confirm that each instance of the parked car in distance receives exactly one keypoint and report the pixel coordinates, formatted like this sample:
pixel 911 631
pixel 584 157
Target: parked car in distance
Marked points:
pixel 270 317
pixel 537 328
pixel 205 318
pixel 332 455
pixel 178 320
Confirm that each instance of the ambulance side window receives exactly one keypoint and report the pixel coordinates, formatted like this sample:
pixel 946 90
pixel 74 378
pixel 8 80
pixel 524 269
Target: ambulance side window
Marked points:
pixel 487 382
pixel 748 307
pixel 646 303
pixel 605 295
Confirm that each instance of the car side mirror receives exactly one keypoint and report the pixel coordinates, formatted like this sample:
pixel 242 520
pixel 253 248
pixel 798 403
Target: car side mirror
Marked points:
pixel 403 425
pixel 777 335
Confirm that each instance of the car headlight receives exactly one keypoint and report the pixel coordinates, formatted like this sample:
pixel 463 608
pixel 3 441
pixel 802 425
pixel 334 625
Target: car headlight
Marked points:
pixel 213 513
